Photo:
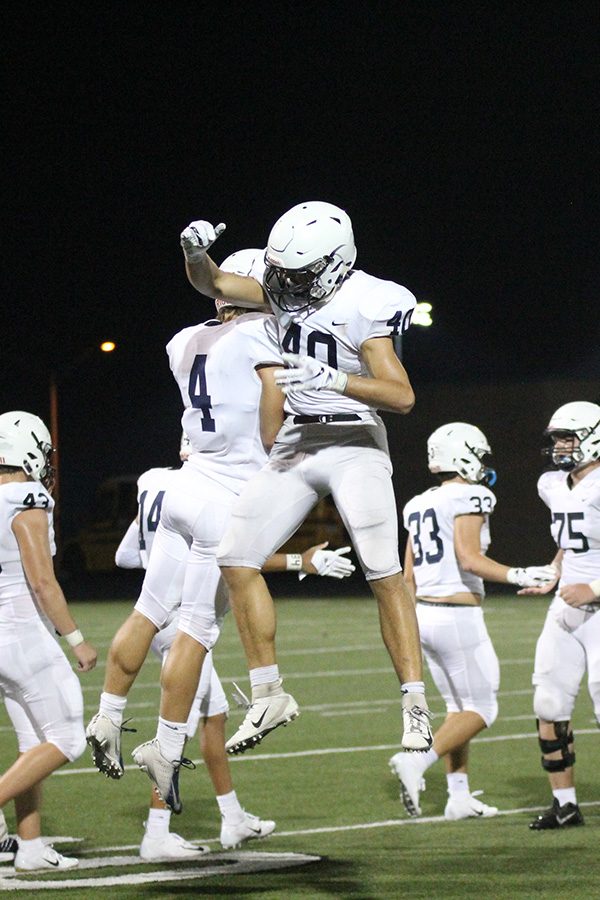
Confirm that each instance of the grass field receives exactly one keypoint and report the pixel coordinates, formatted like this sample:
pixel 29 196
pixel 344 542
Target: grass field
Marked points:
pixel 325 780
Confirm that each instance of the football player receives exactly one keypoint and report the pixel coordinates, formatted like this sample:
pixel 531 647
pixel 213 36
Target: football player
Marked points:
pixel 570 639
pixel 42 693
pixel 210 703
pixel 230 418
pixel 336 327
pixel 445 566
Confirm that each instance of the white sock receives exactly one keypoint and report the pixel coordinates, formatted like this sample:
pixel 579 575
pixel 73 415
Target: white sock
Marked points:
pixel 229 806
pixel 113 706
pixel 171 738
pixel 565 795
pixel 413 687
pixel 157 823
pixel 35 846
pixel 265 682
pixel 458 783
pixel 424 760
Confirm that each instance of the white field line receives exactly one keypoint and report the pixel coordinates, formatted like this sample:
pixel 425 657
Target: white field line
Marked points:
pixel 326 751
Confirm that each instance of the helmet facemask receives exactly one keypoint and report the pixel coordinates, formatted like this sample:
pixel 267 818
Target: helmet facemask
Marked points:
pixel 296 290
pixel 575 427
pixel 568 455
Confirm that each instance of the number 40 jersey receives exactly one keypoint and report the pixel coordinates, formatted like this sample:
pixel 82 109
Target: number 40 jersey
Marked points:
pixel 429 519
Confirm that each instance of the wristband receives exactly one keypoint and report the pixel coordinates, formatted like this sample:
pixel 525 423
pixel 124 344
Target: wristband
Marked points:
pixel 293 562
pixel 74 639
pixel 595 587
pixel 339 383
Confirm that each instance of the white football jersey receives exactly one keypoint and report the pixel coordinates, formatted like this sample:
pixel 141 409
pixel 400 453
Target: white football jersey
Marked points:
pixel 151 486
pixel 333 332
pixel 429 519
pixel 15 497
pixel 575 524
pixel 214 365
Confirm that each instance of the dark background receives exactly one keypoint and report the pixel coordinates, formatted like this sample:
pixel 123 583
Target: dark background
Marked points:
pixel 460 137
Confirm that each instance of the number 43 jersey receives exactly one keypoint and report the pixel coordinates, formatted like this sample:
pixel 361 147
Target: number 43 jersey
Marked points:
pixel 429 519
pixel 15 498
pixel 575 523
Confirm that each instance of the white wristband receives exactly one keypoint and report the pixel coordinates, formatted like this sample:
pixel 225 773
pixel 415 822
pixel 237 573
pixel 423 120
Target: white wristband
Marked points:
pixel 293 562
pixel 340 382
pixel 74 639
pixel 595 587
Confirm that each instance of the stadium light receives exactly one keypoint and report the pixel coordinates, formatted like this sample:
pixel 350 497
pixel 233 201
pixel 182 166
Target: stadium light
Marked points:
pixel 422 315
pixel 107 346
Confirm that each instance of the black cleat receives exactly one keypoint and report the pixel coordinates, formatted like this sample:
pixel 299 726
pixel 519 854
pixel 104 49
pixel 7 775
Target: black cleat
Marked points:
pixel 558 817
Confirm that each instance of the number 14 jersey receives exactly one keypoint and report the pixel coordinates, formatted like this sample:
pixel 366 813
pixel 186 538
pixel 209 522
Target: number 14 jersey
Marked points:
pixel 429 519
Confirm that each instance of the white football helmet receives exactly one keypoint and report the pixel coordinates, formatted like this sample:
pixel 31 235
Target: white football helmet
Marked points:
pixel 310 251
pixel 241 262
pixel 461 448
pixel 577 426
pixel 25 442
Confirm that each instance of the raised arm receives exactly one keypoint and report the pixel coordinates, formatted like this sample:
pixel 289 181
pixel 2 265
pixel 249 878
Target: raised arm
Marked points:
pixel 207 277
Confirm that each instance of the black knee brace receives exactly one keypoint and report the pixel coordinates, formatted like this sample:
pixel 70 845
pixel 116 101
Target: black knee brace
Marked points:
pixel 564 737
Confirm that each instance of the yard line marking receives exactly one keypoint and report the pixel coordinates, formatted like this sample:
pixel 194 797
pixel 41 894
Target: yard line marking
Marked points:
pixel 328 751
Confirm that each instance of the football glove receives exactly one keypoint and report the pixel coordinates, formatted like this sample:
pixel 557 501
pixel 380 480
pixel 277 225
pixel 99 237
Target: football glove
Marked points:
pixel 331 563
pixel 308 374
pixel 198 237
pixel 532 576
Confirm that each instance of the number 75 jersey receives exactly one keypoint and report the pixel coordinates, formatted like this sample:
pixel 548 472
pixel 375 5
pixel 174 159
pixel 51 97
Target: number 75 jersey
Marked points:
pixel 575 523
pixel 429 519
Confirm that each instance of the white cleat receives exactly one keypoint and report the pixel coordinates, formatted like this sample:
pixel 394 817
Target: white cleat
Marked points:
pixel 170 847
pixel 263 716
pixel 404 766
pixel 250 829
pixel 104 737
pixel 48 859
pixel 466 806
pixel 163 773
pixel 416 716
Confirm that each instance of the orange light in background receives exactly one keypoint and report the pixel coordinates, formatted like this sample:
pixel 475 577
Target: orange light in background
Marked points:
pixel 107 346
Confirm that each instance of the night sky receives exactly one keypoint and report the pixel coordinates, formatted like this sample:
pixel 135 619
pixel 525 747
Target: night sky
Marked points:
pixel 460 137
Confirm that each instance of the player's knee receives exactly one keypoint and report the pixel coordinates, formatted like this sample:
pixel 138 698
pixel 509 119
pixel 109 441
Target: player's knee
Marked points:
pixel 551 703
pixel 562 743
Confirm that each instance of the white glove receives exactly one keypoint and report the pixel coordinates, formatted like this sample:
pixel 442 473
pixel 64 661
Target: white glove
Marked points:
pixel 308 374
pixel 198 237
pixel 532 576
pixel 331 563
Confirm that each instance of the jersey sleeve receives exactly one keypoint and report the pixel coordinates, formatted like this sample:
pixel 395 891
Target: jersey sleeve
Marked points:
pixel 263 346
pixel 543 487
pixel 28 495
pixel 127 555
pixel 474 499
pixel 384 311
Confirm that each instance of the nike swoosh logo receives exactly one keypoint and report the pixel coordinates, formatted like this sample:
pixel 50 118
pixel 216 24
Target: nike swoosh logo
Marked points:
pixel 260 721
pixel 565 819
pixel 52 863
pixel 337 324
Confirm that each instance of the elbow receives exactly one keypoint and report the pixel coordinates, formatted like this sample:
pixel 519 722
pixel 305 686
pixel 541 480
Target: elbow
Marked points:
pixel 43 588
pixel 468 564
pixel 405 402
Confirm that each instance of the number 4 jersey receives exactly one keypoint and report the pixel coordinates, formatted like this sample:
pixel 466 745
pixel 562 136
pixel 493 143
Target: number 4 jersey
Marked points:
pixel 429 519
pixel 215 365
pixel 575 523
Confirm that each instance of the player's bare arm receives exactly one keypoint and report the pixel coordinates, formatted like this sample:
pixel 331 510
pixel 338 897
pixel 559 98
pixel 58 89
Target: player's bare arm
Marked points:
pixel 30 528
pixel 271 406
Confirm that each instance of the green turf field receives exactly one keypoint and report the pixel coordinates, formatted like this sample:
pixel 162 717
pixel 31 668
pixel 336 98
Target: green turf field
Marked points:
pixel 325 780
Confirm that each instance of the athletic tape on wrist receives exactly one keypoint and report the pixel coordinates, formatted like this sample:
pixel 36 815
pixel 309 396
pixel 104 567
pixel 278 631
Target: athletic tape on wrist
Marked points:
pixel 293 562
pixel 74 638
pixel 595 587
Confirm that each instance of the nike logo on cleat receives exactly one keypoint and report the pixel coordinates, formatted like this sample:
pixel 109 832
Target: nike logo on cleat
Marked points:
pixel 260 721
pixel 562 820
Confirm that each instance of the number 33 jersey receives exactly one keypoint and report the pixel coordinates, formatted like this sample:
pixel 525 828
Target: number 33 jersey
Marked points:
pixel 15 498
pixel 575 523
pixel 215 365
pixel 429 519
